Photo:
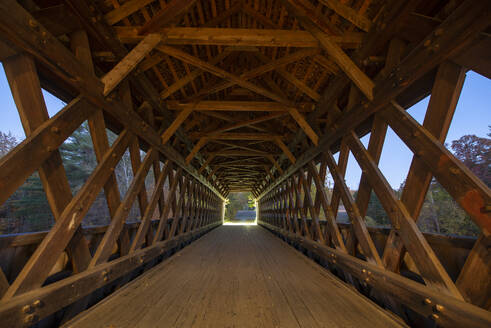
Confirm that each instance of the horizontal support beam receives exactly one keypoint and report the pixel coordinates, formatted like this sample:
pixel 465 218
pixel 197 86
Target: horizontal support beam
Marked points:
pixel 238 37
pixel 250 122
pixel 241 153
pixel 238 106
pixel 236 136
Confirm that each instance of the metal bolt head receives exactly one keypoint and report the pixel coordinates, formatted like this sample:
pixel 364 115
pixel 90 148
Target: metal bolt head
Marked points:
pixel 435 316
pixel 364 271
pixel 30 319
pixel 27 309
pixel 38 303
pixel 439 308
pixel 427 301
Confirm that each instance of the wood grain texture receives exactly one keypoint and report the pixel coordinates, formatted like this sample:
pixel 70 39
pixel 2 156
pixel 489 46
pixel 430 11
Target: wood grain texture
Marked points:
pixel 207 284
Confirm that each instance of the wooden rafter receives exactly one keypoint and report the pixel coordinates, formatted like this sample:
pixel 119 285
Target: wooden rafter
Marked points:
pixel 172 12
pixel 348 13
pixel 236 136
pixel 285 150
pixel 248 106
pixel 258 71
pixel 129 62
pixel 304 12
pixel 239 37
pixel 242 82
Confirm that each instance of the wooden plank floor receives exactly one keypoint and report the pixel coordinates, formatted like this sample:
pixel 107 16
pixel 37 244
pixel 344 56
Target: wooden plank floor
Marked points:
pixel 236 276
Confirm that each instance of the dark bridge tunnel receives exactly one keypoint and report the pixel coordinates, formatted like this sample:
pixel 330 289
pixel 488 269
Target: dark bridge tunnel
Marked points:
pixel 116 208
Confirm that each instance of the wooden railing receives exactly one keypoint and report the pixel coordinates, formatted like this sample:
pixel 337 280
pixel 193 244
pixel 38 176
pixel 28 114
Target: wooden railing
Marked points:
pixel 15 249
pixel 64 288
pixel 418 276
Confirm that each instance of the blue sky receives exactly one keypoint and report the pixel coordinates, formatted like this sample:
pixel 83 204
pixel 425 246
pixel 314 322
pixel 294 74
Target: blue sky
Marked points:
pixel 472 116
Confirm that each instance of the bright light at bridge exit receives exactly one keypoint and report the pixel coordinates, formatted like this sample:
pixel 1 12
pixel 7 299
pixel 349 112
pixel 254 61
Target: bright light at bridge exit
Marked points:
pixel 253 223
pixel 241 209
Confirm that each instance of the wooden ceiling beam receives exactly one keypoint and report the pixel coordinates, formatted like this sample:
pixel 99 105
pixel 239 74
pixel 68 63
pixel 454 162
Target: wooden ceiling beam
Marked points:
pixel 246 161
pixel 290 106
pixel 123 11
pixel 185 57
pixel 348 13
pixel 235 146
pixel 172 12
pixel 221 116
pixel 275 163
pixel 235 165
pixel 236 136
pixel 180 118
pixel 240 153
pixel 327 64
pixel 190 77
pixel 238 106
pixel 235 8
pixel 239 37
pixel 258 71
pixel 291 78
pixel 231 169
pixel 260 18
pixel 206 163
pixel 305 13
pixel 129 62
pixel 285 150
pixel 201 142
pixel 250 122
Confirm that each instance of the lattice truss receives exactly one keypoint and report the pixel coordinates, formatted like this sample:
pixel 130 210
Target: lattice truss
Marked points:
pixel 235 95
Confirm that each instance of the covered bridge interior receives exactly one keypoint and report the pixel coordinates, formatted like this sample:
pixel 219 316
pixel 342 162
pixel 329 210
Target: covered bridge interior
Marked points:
pixel 264 96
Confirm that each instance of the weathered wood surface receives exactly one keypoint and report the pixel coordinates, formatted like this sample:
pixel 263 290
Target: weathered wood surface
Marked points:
pixel 207 284
pixel 184 81
pixel 447 311
pixel 51 298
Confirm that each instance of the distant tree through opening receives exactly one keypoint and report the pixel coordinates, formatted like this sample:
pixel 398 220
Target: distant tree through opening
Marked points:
pixel 240 209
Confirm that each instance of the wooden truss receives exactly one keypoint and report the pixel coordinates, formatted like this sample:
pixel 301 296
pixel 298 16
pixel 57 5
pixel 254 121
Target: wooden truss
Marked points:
pixel 213 97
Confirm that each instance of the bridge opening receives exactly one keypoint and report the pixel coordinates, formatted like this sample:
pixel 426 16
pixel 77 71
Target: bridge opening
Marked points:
pixel 240 209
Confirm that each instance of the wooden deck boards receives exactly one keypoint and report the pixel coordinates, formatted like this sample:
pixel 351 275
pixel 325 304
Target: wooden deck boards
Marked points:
pixel 236 276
